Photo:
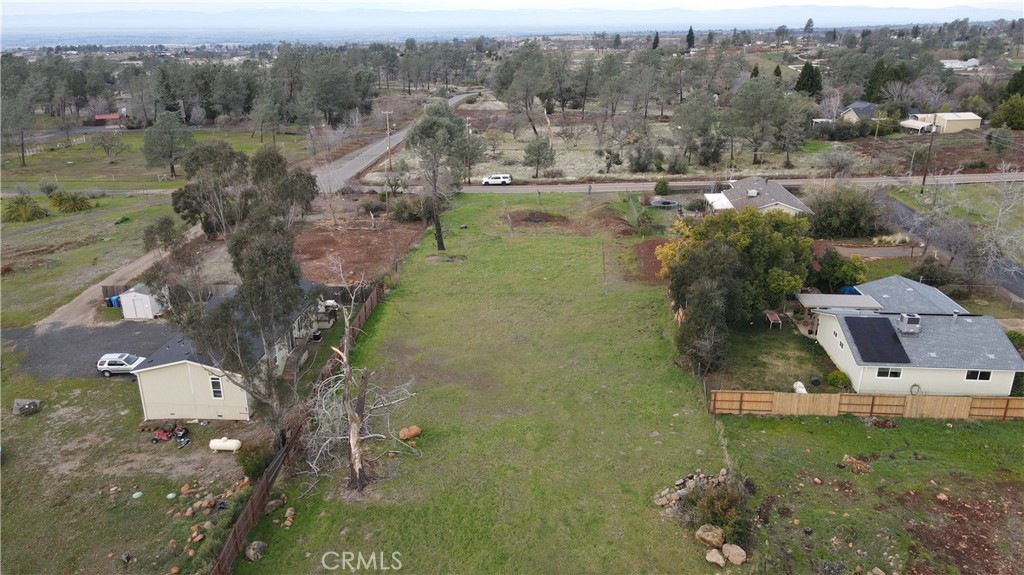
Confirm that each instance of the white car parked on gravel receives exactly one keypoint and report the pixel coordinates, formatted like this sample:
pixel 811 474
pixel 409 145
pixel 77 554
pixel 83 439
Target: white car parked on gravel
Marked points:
pixel 497 180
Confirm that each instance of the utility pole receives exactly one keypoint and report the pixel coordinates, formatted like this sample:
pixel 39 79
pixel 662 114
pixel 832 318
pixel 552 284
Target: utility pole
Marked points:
pixel 387 122
pixel 928 158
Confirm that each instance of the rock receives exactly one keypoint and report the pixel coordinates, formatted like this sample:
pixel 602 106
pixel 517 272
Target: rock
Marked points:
pixel 796 522
pixel 715 556
pixel 816 481
pixel 942 497
pixel 175 570
pixel 409 432
pixel 254 552
pixel 191 552
pixel 710 536
pixel 289 513
pixel 198 538
pixel 734 553
pixel 184 489
pixel 207 511
pixel 189 512
pixel 172 543
pixel 272 506
pixel 655 434
pixel 877 571
pixel 208 525
pixel 661 501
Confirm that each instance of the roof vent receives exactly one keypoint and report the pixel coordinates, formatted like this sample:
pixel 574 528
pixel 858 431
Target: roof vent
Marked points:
pixel 909 323
pixel 751 193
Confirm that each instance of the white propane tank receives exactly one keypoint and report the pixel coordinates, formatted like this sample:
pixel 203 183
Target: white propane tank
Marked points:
pixel 798 387
pixel 225 444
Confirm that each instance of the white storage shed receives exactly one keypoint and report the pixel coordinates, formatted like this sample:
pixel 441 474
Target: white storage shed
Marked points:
pixel 139 303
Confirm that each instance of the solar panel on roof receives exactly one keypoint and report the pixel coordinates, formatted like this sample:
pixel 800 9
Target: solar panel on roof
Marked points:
pixel 876 340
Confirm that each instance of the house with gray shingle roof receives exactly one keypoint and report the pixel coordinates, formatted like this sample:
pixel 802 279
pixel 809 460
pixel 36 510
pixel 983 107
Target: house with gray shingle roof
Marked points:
pixel 922 342
pixel 760 194
pixel 857 111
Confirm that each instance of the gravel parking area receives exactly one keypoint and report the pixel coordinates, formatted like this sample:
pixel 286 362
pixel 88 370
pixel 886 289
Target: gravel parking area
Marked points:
pixel 72 351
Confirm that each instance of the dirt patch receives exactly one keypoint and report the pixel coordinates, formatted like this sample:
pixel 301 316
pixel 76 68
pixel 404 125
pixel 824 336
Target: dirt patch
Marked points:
pixel 981 534
pixel 604 216
pixel 648 265
pixel 363 251
pixel 964 151
pixel 536 218
pixel 445 259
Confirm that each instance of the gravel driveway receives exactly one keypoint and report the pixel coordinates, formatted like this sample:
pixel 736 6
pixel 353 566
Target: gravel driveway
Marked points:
pixel 72 351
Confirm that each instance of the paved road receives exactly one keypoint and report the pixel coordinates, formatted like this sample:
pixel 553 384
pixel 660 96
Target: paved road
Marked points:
pixel 346 169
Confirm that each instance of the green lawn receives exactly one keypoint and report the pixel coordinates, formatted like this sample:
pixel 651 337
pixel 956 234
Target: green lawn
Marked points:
pixel 80 167
pixel 538 393
pixel 765 359
pixel 54 258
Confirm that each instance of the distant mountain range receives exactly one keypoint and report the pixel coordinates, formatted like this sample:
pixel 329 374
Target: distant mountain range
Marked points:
pixel 134 26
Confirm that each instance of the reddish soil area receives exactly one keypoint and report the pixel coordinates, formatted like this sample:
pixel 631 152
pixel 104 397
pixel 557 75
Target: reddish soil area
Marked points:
pixel 536 218
pixel 647 263
pixel 361 251
pixel 981 534
pixel 949 153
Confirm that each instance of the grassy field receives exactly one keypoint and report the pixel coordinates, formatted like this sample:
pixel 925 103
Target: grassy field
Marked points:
pixel 975 203
pixel 54 258
pixel 59 465
pixel 889 517
pixel 539 388
pixel 80 167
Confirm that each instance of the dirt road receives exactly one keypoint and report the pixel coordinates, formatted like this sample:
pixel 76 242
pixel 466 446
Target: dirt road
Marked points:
pixel 81 311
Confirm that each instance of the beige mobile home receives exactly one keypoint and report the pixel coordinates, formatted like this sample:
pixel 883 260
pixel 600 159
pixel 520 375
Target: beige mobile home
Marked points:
pixel 758 193
pixel 187 389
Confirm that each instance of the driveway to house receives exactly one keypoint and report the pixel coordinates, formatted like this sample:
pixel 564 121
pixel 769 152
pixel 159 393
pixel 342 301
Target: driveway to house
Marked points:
pixel 72 351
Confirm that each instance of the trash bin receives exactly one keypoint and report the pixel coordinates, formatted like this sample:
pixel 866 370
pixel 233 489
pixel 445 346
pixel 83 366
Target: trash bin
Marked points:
pixel 115 301
pixel 316 335
pixel 815 380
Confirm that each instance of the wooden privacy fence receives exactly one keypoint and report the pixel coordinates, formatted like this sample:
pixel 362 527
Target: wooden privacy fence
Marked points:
pixel 865 405
pixel 253 509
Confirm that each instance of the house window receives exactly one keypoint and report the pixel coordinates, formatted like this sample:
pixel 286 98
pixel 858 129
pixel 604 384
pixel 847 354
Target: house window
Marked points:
pixel 835 335
pixel 975 375
pixel 890 372
pixel 215 386
pixel 841 346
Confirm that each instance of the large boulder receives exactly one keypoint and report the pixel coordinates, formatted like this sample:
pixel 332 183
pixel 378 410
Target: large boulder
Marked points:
pixel 254 552
pixel 715 556
pixel 272 506
pixel 710 535
pixel 734 553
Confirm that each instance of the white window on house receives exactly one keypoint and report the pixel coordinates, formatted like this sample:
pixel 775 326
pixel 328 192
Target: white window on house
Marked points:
pixel 835 334
pixel 975 375
pixel 841 345
pixel 890 372
pixel 215 386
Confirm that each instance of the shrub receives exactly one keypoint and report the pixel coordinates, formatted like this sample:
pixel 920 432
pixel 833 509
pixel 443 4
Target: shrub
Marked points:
pixel 371 205
pixel 553 173
pixel 931 272
pixel 661 187
pixel 968 164
pixel 23 208
pixel 471 100
pixel 676 164
pixel 68 202
pixel 724 506
pixel 1017 389
pixel 839 380
pixel 838 162
pixel 510 162
pixel 698 205
pixel 48 188
pixel 1016 338
pixel 254 458
pixel 405 210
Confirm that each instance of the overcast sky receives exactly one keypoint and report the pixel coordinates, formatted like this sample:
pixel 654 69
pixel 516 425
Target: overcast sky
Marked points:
pixel 63 7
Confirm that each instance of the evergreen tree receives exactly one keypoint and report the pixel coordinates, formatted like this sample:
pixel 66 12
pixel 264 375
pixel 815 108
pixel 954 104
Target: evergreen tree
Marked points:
pixel 809 27
pixel 657 39
pixel 1015 85
pixel 690 39
pixel 755 72
pixel 778 71
pixel 809 81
